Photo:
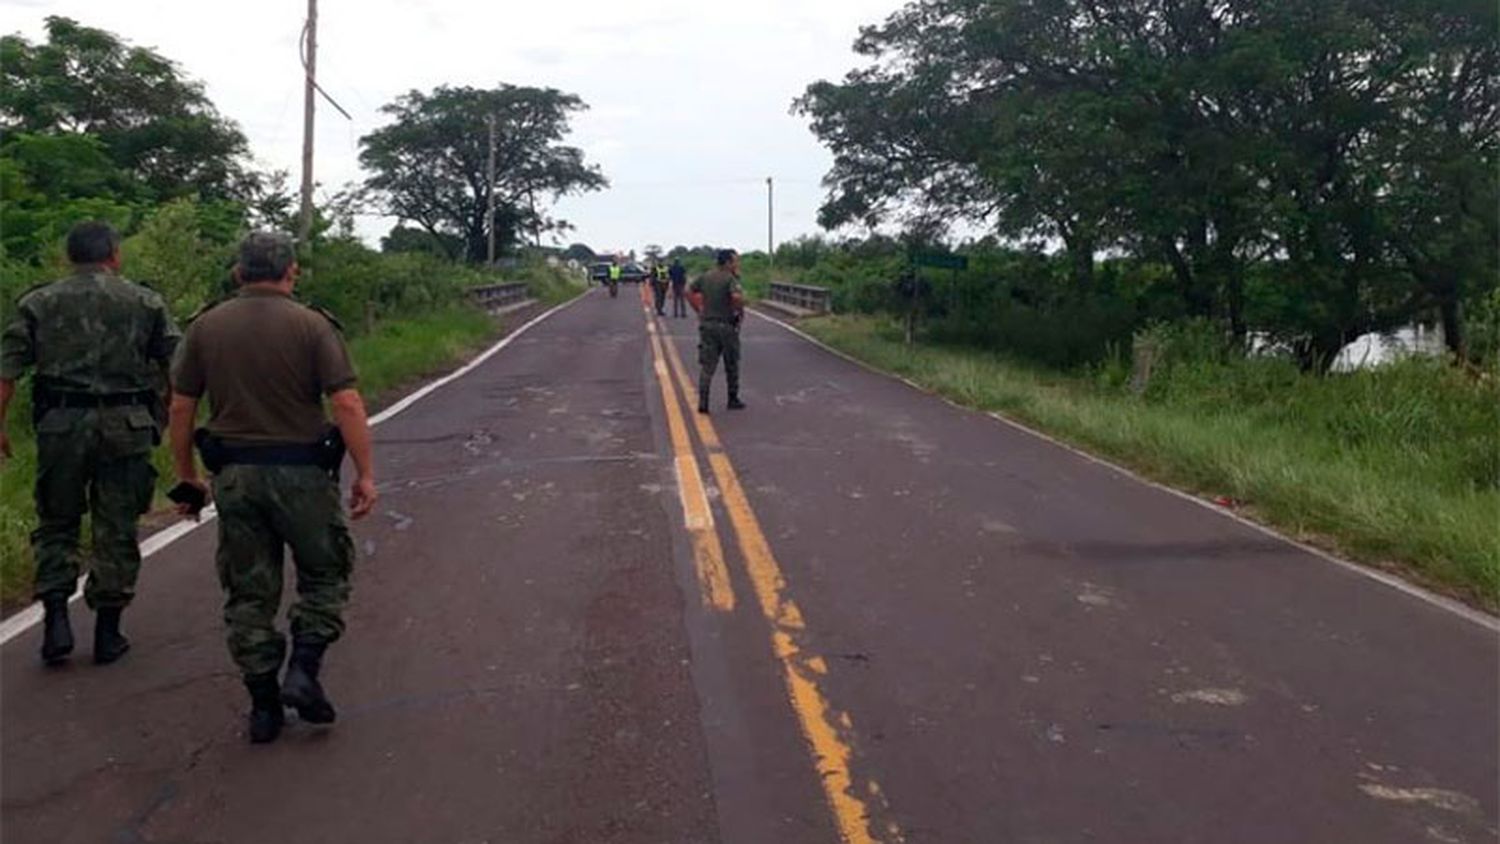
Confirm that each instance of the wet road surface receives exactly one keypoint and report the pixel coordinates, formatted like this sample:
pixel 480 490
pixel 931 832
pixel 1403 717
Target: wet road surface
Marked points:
pixel 582 613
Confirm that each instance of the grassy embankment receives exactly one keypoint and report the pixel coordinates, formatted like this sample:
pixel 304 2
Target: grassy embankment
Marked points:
pixel 395 353
pixel 1397 467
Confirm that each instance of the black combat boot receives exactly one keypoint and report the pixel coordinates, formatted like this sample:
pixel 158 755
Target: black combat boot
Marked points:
pixel 266 716
pixel 301 689
pixel 109 643
pixel 735 403
pixel 57 633
pixel 703 402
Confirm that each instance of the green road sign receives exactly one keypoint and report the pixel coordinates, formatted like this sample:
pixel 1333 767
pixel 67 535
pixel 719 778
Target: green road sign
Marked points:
pixel 941 261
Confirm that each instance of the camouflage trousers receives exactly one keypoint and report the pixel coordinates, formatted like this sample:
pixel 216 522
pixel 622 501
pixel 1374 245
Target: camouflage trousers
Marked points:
pixel 715 340
pixel 262 511
pixel 94 461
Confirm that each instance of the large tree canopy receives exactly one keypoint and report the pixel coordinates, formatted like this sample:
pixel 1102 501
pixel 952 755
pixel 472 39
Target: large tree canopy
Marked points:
pixel 1346 148
pixel 155 124
pixel 430 166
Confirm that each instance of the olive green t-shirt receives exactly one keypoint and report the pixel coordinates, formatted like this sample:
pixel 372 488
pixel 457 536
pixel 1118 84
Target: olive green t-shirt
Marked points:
pixel 718 288
pixel 265 361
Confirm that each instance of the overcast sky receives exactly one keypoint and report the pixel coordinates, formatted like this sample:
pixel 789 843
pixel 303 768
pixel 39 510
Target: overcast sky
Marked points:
pixel 689 99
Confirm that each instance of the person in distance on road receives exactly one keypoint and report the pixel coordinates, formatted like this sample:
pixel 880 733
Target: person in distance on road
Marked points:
pixel 99 346
pixel 720 303
pixel 659 287
pixel 266 362
pixel 678 275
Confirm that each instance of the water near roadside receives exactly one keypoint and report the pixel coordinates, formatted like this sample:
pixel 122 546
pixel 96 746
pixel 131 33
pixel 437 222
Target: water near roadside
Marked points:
pixel 1371 350
pixel 1377 349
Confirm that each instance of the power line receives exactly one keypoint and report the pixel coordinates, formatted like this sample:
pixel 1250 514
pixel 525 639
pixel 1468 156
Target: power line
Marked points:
pixel 308 52
pixel 308 69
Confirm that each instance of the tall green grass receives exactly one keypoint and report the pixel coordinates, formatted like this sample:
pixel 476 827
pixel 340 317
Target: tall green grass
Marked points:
pixel 548 284
pixel 399 351
pixel 1398 467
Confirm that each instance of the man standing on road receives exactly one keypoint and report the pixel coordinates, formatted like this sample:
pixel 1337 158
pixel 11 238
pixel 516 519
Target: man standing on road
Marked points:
pixel 720 303
pixel 99 346
pixel 659 288
pixel 678 274
pixel 266 362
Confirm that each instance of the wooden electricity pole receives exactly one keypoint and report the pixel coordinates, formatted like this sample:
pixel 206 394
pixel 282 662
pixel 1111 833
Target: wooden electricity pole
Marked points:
pixel 490 170
pixel 770 222
pixel 310 68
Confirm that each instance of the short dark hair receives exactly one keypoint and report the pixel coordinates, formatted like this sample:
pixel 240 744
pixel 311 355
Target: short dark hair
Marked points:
pixel 265 256
pixel 725 256
pixel 92 242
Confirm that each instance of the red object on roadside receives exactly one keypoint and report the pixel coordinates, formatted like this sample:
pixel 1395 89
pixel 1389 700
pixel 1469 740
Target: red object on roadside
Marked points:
pixel 1226 501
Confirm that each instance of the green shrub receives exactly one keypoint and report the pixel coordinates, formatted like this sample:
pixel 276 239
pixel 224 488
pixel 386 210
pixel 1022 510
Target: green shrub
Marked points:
pixel 180 255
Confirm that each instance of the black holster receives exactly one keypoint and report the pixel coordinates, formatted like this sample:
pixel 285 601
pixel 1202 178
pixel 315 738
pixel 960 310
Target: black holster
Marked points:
pixel 210 450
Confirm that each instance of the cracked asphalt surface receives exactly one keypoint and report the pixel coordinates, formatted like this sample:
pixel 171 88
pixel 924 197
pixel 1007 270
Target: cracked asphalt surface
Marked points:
pixel 1006 642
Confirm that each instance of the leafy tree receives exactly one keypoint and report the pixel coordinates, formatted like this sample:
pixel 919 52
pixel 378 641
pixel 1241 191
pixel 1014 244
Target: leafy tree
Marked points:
pixel 1442 205
pixel 1347 145
pixel 183 250
pixel 963 115
pixel 156 124
pixel 413 239
pixel 271 204
pixel 579 252
pixel 704 251
pixel 50 182
pixel 430 164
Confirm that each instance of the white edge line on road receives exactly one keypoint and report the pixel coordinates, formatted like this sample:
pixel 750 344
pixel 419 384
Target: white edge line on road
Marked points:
pixel 1458 608
pixel 24 619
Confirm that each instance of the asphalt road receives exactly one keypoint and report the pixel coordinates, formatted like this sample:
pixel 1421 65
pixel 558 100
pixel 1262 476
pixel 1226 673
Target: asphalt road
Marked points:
pixel 582 613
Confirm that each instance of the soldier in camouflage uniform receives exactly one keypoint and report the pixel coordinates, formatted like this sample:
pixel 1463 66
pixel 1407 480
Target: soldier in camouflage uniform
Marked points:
pixel 266 363
pixel 98 345
pixel 720 303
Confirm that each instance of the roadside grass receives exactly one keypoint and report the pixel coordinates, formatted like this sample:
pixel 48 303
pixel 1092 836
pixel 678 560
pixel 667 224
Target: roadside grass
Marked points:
pixel 550 285
pixel 402 350
pixel 395 353
pixel 1397 467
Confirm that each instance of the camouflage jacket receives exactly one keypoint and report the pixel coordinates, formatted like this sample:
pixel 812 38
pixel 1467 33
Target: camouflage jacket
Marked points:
pixel 92 332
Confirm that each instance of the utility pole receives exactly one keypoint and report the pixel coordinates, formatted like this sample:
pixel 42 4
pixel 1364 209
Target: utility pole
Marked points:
pixel 536 222
pixel 489 176
pixel 310 68
pixel 770 222
pixel 491 171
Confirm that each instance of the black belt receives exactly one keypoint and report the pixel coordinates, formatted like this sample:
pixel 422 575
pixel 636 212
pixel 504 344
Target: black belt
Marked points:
pixel 326 454
pixel 57 398
pixel 289 454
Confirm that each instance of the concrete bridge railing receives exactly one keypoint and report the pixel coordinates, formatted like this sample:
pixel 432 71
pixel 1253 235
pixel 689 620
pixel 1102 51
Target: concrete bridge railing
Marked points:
pixel 800 299
pixel 495 297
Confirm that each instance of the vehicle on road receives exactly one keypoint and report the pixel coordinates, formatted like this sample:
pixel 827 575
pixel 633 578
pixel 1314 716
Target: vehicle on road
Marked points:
pixel 633 272
pixel 629 271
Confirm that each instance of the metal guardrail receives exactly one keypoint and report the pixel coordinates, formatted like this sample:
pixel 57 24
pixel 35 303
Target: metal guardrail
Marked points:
pixel 493 297
pixel 817 300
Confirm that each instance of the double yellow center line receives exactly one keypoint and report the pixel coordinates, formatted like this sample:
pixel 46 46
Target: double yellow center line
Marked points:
pixel 708 554
pixel 828 731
